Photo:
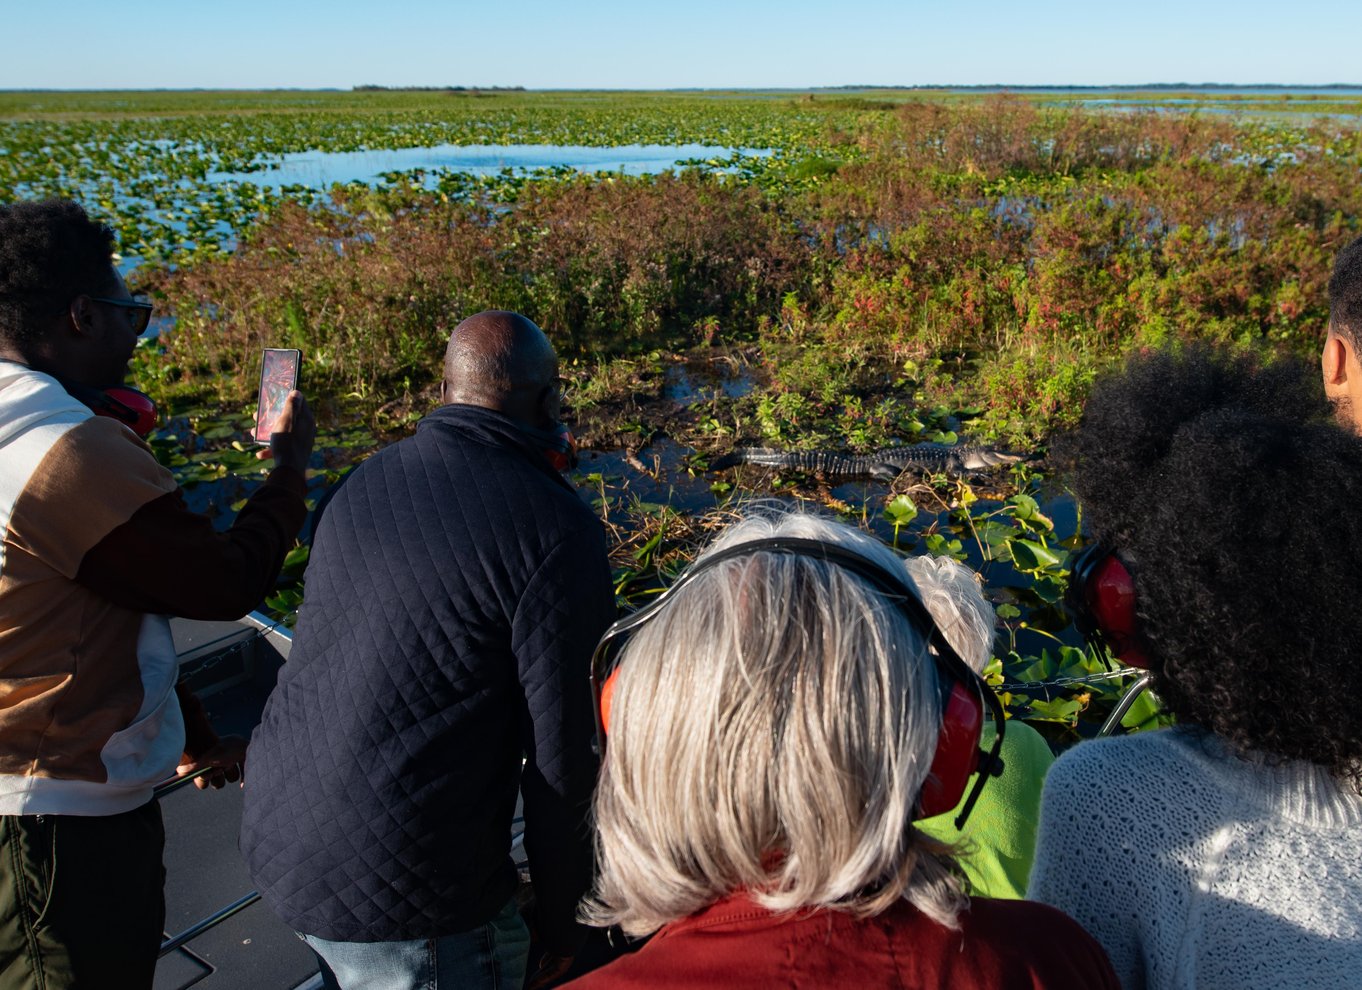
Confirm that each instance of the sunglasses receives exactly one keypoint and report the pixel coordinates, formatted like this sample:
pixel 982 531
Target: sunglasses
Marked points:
pixel 139 311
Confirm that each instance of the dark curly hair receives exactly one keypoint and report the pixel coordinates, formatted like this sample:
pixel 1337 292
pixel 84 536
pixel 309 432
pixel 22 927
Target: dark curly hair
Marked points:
pixel 1237 501
pixel 50 252
pixel 1345 293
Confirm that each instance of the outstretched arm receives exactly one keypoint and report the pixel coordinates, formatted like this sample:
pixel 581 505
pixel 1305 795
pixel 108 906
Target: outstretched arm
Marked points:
pixel 168 560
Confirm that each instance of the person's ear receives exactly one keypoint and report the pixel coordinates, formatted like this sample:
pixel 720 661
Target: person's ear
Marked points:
pixel 81 315
pixel 444 392
pixel 1334 361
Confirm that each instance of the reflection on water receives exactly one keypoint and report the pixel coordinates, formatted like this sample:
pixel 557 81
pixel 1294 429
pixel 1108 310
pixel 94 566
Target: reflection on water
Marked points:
pixel 687 386
pixel 320 169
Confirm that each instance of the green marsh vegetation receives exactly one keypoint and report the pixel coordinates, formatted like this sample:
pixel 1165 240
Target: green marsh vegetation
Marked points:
pixel 903 266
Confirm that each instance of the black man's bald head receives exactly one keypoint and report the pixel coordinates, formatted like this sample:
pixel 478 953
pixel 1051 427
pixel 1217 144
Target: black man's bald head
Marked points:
pixel 502 361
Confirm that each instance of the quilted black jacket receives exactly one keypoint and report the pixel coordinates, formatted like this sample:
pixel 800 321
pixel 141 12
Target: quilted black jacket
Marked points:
pixel 456 588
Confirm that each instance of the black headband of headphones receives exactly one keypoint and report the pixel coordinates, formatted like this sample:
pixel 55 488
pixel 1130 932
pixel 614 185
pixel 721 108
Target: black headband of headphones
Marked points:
pixel 892 588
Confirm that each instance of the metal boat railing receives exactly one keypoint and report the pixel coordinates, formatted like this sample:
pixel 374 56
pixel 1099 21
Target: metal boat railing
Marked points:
pixel 1127 700
pixel 265 627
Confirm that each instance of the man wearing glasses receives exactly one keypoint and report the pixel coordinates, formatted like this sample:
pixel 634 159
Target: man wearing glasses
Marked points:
pixel 98 550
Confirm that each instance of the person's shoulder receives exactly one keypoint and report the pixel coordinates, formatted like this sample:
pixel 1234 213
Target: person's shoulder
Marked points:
pixel 36 414
pixel 1014 921
pixel 1140 753
pixel 1022 742
pixel 684 960
pixel 73 483
pixel 99 457
pixel 1036 939
pixel 1135 784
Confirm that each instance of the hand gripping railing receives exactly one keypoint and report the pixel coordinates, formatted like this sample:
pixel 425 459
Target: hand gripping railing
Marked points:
pixel 217 917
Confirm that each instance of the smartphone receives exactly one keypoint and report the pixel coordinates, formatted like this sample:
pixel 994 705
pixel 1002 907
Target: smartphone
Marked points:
pixel 278 377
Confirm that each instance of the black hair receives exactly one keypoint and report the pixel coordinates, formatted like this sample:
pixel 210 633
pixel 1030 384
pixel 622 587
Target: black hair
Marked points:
pixel 50 252
pixel 1345 294
pixel 1234 497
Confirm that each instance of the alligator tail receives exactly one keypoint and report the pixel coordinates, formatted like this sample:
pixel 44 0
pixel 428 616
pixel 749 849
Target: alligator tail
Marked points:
pixel 750 455
pixel 822 461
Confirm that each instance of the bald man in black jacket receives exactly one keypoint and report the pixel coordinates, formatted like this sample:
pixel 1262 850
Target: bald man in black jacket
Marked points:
pixel 456 588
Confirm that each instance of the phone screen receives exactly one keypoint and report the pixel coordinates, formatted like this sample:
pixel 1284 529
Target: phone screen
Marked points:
pixel 278 377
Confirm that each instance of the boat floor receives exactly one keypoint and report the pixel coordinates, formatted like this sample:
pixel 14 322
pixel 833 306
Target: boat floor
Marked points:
pixel 232 667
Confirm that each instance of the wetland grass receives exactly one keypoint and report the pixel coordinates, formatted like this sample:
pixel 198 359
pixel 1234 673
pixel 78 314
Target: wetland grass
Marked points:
pixel 900 268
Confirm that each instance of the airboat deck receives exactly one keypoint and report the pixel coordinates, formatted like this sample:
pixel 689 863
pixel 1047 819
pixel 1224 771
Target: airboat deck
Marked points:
pixel 232 667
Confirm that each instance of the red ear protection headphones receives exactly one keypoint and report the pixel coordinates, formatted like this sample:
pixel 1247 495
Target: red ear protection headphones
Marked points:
pixel 1101 600
pixel 964 694
pixel 562 449
pixel 557 444
pixel 134 408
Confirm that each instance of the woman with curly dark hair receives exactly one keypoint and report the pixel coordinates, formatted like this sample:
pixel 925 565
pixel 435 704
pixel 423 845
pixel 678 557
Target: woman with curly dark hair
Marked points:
pixel 1226 852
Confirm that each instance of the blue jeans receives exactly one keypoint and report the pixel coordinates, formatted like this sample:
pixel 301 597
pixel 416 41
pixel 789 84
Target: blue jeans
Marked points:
pixel 491 956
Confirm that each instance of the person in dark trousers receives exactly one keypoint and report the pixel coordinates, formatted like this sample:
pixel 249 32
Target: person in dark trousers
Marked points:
pixel 99 548
pixel 456 588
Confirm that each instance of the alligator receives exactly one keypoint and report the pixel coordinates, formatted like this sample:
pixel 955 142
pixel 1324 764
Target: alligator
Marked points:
pixel 885 464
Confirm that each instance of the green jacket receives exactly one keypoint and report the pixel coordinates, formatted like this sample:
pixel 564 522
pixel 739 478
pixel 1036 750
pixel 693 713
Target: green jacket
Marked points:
pixel 998 843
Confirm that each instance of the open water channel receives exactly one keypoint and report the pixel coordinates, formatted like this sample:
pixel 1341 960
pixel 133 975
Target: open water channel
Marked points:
pixel 321 169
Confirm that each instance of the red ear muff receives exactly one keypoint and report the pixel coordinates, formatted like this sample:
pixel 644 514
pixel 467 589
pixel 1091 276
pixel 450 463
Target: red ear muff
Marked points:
pixel 133 408
pixel 1101 599
pixel 957 750
pixel 1111 597
pixel 963 692
pixel 130 406
pixel 562 454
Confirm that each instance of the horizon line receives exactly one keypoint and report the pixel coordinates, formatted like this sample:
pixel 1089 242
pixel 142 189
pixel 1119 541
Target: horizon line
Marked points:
pixel 909 87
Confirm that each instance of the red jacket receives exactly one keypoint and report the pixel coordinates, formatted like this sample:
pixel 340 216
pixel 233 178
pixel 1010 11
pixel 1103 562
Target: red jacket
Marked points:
pixel 1000 945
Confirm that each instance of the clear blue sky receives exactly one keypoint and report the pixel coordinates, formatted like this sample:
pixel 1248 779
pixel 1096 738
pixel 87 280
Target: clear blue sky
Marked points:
pixel 135 44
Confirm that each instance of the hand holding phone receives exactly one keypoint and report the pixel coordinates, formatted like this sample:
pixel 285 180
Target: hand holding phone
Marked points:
pixel 278 377
pixel 282 417
pixel 294 433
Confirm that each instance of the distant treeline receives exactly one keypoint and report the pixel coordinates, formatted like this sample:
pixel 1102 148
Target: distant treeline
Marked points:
pixel 1142 88
pixel 372 88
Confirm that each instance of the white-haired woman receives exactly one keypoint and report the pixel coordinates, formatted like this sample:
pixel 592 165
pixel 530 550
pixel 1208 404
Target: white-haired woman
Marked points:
pixel 770 732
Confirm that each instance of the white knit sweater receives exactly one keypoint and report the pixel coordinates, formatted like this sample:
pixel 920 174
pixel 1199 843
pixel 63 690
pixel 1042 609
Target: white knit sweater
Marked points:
pixel 1197 869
